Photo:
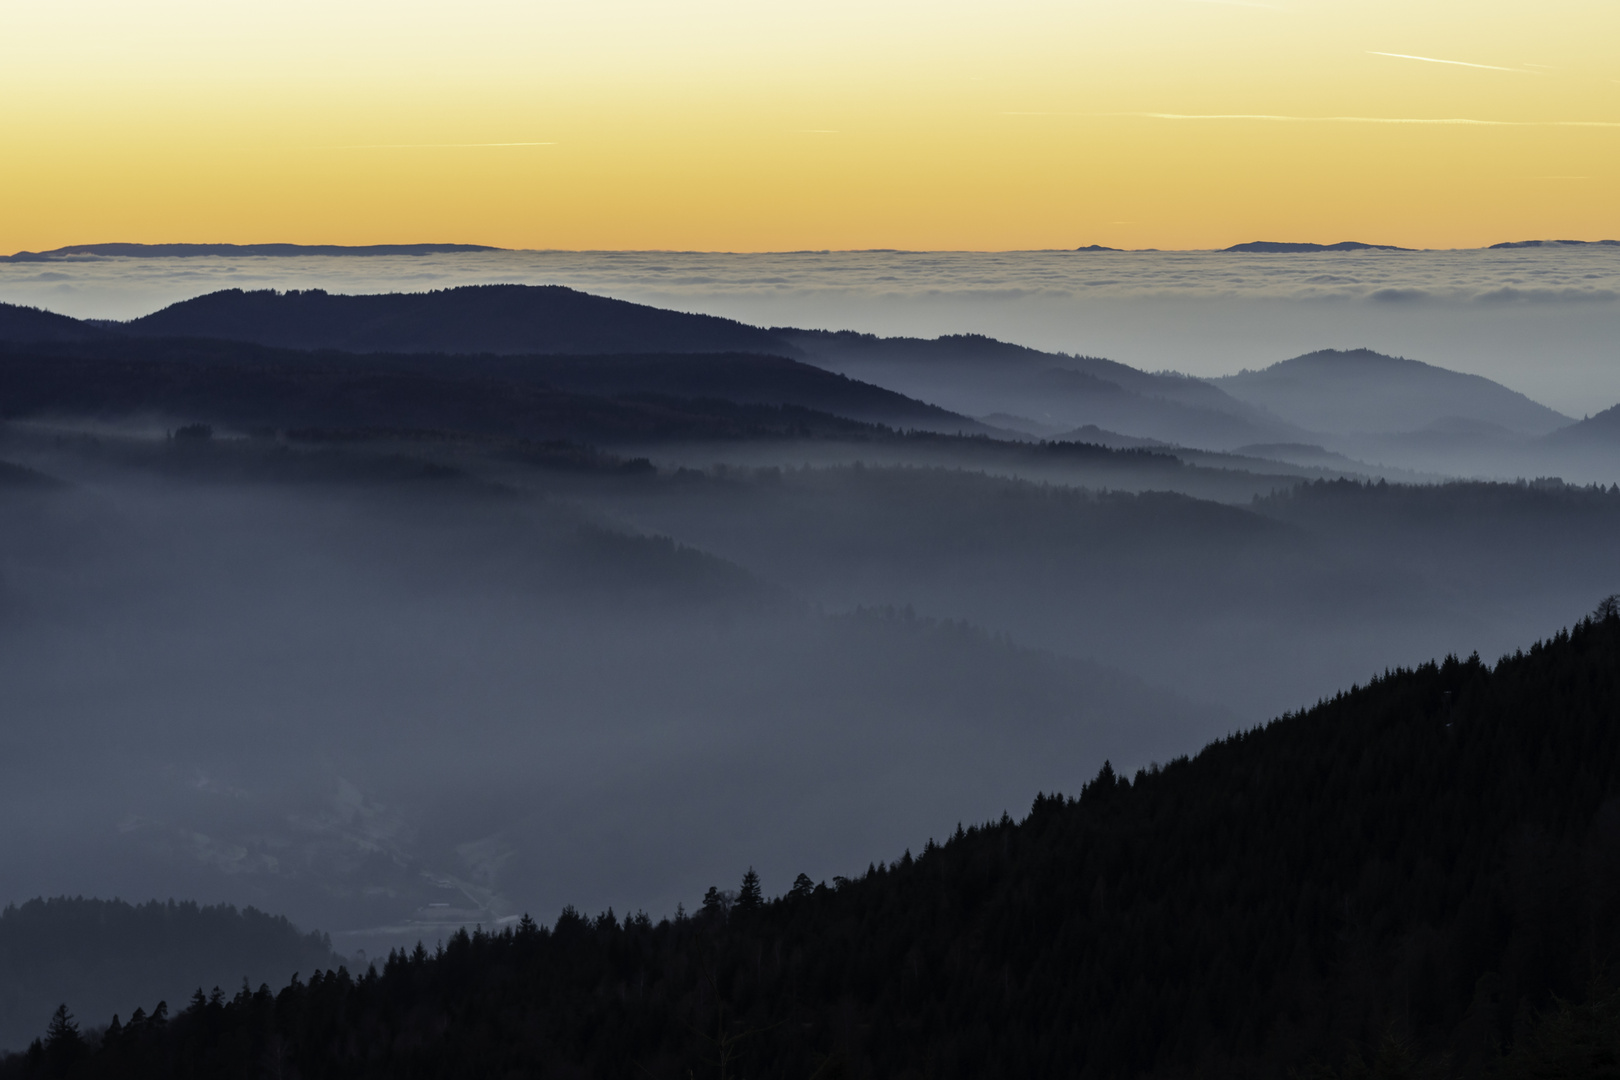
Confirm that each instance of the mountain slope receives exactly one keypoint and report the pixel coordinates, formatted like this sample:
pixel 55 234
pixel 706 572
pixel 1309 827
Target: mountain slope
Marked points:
pixel 245 387
pixel 470 319
pixel 613 397
pixel 977 375
pixel 1599 431
pixel 1430 858
pixel 1359 390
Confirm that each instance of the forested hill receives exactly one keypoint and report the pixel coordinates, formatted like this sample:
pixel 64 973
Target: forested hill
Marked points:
pixel 102 955
pixel 1421 865
pixel 468 319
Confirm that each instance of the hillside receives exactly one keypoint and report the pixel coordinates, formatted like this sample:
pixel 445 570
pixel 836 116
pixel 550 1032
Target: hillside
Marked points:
pixel 1412 868
pixel 102 956
pixel 471 319
pixel 1358 390
pixel 978 376
pixel 1600 431
pixel 597 399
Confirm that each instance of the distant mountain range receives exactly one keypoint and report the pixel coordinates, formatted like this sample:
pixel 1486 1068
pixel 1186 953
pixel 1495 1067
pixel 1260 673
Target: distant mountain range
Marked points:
pixel 1555 243
pixel 979 375
pixel 1279 247
pixel 556 340
pixel 183 251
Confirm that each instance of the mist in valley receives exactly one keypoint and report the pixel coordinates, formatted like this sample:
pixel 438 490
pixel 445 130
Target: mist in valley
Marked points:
pixel 392 640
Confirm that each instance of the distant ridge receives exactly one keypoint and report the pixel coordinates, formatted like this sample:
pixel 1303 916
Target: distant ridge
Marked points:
pixel 1279 247
pixel 1358 390
pixel 183 251
pixel 509 319
pixel 1096 247
pixel 20 323
pixel 1554 243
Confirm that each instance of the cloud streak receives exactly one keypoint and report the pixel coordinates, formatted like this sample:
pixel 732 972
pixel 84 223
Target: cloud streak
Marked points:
pixel 1239 3
pixel 435 146
pixel 1278 118
pixel 1454 63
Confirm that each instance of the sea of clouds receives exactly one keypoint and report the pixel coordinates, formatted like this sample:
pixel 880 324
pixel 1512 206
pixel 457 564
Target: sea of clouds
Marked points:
pixel 1544 321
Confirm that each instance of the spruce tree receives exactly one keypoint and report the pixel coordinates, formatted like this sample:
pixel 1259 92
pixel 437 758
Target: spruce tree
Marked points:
pixel 749 897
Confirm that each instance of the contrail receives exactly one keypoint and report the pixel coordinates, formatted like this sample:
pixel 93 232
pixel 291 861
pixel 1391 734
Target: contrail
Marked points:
pixel 435 146
pixel 1281 119
pixel 1455 63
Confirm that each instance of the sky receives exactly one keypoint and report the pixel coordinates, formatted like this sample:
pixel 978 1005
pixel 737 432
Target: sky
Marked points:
pixel 774 125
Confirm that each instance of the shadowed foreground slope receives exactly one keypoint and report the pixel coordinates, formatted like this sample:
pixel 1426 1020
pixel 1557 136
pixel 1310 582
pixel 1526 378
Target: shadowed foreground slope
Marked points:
pixel 1430 859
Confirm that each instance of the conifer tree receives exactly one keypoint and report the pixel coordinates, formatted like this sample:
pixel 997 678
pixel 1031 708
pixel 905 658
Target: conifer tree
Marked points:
pixel 749 897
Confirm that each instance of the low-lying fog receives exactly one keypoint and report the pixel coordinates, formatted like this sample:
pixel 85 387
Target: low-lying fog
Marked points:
pixel 1543 321
pixel 347 685
pixel 388 689
pixel 349 700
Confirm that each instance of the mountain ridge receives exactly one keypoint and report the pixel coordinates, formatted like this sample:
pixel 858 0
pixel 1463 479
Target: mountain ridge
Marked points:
pixel 1340 391
pixel 184 251
pixel 1284 247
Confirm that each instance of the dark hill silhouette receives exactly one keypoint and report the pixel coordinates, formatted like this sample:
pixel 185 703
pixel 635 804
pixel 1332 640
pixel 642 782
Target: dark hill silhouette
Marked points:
pixel 1600 431
pixel 1554 243
pixel 1414 867
pixel 182 251
pixel 474 319
pixel 954 372
pixel 1282 247
pixel 741 378
pixel 594 397
pixel 1358 390
pixel 31 324
pixel 106 956
pixel 245 387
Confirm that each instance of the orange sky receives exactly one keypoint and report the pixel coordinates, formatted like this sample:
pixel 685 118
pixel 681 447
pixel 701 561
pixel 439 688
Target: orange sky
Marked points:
pixel 724 124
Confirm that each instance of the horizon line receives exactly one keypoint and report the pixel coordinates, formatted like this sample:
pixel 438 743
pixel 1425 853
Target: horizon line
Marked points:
pixel 69 251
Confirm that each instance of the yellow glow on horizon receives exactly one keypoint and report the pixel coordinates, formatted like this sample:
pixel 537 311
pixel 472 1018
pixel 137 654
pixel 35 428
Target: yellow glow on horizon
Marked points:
pixel 719 124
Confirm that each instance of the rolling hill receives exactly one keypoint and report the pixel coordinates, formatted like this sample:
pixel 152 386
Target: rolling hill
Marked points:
pixel 244 387
pixel 471 319
pixel 1360 391
pixel 30 324
pixel 980 376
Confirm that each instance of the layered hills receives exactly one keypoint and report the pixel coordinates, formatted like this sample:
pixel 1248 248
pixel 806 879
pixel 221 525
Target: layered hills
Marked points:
pixel 1418 414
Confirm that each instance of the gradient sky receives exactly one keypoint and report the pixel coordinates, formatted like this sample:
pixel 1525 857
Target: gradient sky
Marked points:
pixel 788 124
